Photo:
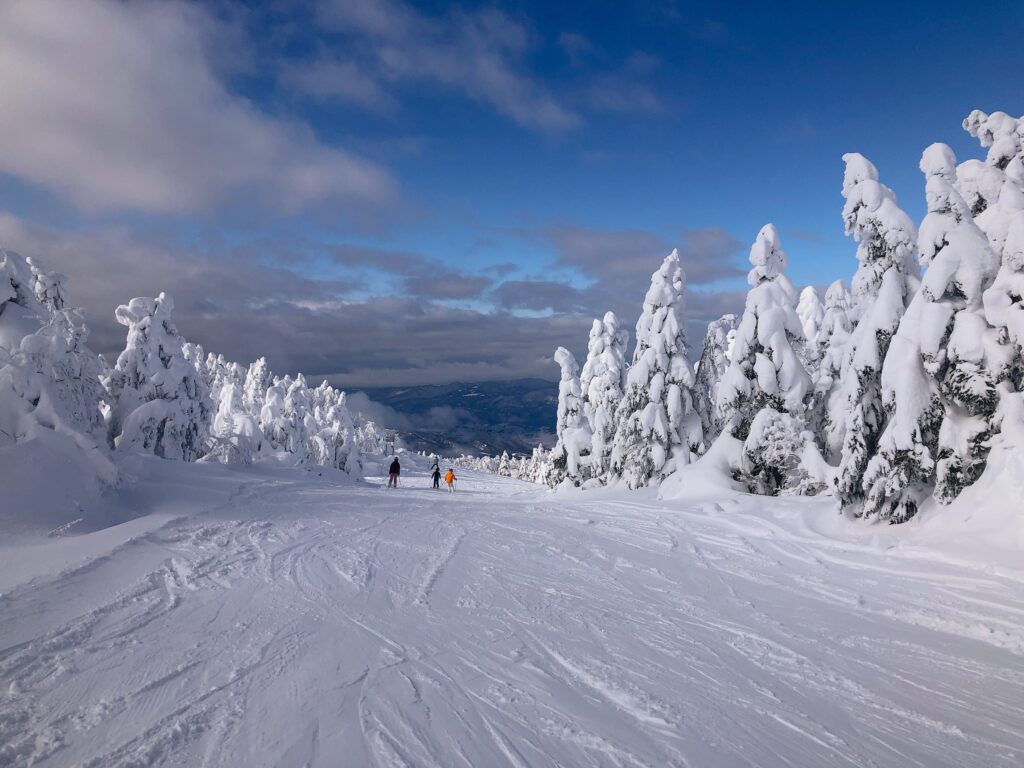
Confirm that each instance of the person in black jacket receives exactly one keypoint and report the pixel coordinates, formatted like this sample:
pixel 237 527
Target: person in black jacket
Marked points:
pixel 393 473
pixel 436 475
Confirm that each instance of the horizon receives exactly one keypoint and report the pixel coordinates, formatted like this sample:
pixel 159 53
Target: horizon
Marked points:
pixel 392 194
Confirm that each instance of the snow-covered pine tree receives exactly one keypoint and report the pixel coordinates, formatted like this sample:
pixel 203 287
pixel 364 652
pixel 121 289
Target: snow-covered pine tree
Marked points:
pixel 829 410
pixel 937 378
pixel 296 409
pixel 765 370
pixel 505 465
pixel 335 442
pixel 994 189
pixel 257 380
pixel 713 363
pixel 656 424
pixel 779 457
pixel 885 282
pixel 811 313
pixel 160 404
pixel 44 341
pixel 273 423
pixel 237 438
pixel 21 312
pixel 568 457
pixel 603 382
pixel 48 287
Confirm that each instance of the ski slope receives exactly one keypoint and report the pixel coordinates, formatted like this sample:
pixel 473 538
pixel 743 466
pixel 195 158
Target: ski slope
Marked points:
pixel 274 618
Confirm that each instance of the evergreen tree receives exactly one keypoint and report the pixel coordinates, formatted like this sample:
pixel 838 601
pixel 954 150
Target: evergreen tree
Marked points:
pixel 656 424
pixel 713 363
pixel 937 378
pixel 765 370
pixel 257 379
pixel 603 382
pixel 994 189
pixel 886 279
pixel 573 432
pixel 160 404
pixel 811 313
pixel 829 409
pixel 237 438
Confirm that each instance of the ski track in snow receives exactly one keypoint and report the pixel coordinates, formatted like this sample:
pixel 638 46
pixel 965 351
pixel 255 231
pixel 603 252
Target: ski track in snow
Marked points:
pixel 308 624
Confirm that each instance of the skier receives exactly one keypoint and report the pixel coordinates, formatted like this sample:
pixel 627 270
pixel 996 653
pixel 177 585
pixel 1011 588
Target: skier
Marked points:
pixel 450 479
pixel 393 473
pixel 435 474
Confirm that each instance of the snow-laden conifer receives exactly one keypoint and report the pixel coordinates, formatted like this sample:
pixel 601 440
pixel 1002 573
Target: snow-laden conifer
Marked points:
pixel 254 388
pixel 333 441
pixel 886 280
pixel 160 404
pixel 779 457
pixel 994 189
pixel 656 424
pixel 829 411
pixel 937 378
pixel 811 313
pixel 765 370
pixel 50 381
pixel 275 426
pixel 237 438
pixel 44 343
pixel 714 362
pixel 296 408
pixel 603 381
pixel 569 455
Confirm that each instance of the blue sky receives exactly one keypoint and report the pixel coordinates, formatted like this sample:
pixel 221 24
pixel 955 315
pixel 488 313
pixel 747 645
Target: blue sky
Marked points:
pixel 384 192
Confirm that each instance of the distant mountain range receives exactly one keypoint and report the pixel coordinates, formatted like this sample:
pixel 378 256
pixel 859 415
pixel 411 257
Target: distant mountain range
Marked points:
pixel 482 418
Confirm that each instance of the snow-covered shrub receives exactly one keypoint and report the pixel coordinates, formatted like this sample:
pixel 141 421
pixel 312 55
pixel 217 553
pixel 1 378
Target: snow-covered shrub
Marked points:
pixel 603 381
pixel 568 457
pixel 657 426
pixel 886 279
pixel 780 457
pixel 765 370
pixel 160 404
pixel 714 362
pixel 937 378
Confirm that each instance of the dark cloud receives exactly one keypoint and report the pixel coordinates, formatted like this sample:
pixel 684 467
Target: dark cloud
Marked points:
pixel 417 275
pixel 502 270
pixel 708 255
pixel 446 285
pixel 540 295
pixel 233 304
pixel 805 235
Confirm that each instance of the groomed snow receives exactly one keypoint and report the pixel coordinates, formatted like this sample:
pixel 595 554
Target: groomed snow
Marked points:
pixel 277 617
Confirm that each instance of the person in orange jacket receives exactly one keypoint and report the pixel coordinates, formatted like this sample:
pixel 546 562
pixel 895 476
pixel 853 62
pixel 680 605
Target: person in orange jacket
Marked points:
pixel 450 479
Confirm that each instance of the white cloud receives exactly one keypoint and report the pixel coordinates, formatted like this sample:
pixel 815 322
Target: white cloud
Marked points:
pixel 116 105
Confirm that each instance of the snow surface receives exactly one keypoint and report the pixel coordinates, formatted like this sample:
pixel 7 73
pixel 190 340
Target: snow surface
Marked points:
pixel 279 616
